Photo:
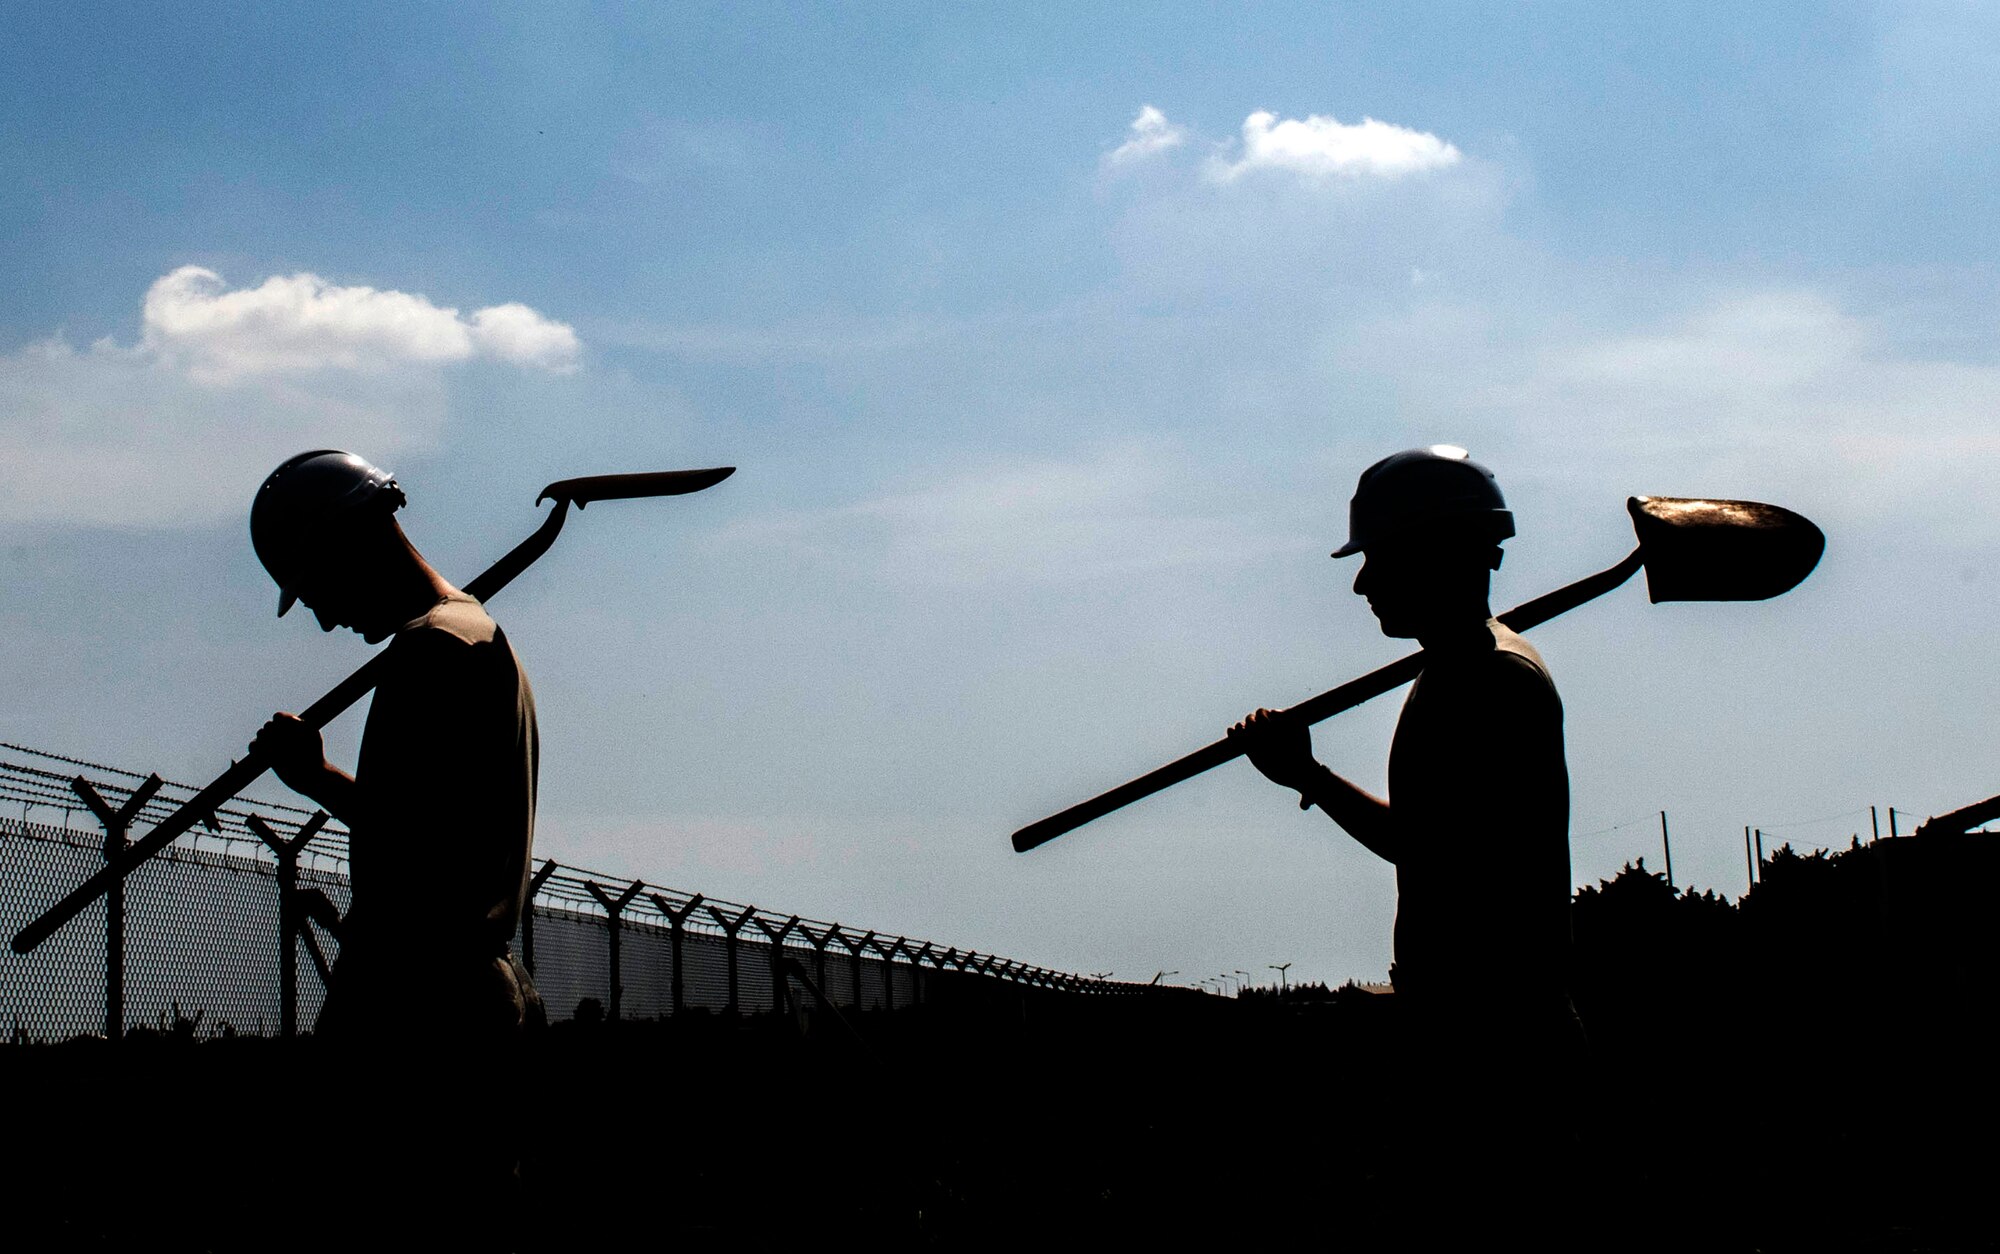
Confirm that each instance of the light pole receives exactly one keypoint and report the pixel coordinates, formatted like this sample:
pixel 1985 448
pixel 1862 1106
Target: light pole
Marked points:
pixel 1281 967
pixel 1161 975
pixel 1243 982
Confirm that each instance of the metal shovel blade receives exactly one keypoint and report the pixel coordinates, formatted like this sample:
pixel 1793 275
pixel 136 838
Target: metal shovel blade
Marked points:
pixel 1708 550
pixel 625 487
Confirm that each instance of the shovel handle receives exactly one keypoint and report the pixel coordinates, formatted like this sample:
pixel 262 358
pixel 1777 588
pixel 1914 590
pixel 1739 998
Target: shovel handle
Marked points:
pixel 1316 709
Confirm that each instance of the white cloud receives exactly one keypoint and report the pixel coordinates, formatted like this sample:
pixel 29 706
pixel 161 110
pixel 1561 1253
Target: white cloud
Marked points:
pixel 298 323
pixel 1323 147
pixel 222 385
pixel 515 333
pixel 1152 134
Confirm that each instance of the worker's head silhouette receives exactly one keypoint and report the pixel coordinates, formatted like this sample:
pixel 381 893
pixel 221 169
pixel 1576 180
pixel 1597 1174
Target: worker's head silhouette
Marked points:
pixel 323 525
pixel 1428 523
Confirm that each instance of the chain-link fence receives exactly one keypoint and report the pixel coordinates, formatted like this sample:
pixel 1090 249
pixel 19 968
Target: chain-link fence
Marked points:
pixel 222 932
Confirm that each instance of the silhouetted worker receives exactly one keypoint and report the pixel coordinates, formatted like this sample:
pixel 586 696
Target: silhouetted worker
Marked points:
pixel 1477 816
pixel 426 999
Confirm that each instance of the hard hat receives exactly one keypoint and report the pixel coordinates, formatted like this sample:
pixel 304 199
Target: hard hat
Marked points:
pixel 1431 491
pixel 301 498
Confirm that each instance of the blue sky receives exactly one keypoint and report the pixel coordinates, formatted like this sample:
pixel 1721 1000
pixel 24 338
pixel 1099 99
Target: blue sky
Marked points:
pixel 1049 341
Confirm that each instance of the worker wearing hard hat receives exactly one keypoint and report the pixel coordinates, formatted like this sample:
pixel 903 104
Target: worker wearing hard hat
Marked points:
pixel 426 1000
pixel 1477 813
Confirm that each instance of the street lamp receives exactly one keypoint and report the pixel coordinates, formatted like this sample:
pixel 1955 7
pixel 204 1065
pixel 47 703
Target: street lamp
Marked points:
pixel 1281 968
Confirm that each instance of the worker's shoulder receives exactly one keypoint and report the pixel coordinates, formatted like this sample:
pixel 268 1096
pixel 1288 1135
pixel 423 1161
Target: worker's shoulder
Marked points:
pixel 1512 649
pixel 1510 671
pixel 1517 664
pixel 452 623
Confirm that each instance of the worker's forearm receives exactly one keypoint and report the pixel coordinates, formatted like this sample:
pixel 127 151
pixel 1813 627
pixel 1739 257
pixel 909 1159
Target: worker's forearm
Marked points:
pixel 1361 814
pixel 333 789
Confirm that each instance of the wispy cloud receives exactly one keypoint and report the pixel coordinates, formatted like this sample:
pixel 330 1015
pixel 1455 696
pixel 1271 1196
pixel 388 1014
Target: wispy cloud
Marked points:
pixel 1323 147
pixel 822 338
pixel 657 150
pixel 223 383
pixel 300 322
pixel 1118 512
pixel 1742 390
pixel 1151 135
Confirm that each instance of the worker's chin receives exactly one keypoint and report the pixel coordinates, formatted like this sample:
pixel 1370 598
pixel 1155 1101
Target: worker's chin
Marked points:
pixel 1395 626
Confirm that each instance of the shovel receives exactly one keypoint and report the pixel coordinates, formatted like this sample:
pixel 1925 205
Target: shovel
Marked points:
pixel 1691 550
pixel 201 807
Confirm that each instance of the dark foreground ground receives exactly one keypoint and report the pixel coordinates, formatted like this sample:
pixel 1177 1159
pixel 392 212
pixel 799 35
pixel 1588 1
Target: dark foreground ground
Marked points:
pixel 996 1118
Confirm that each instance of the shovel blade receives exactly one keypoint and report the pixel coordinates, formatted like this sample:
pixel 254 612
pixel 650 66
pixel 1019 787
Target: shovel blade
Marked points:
pixel 582 492
pixel 1709 550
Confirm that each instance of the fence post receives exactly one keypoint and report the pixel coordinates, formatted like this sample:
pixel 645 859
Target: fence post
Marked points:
pixel 889 953
pixel 614 908
pixel 819 944
pixel 528 914
pixel 676 925
pixel 730 927
pixel 854 948
pixel 287 852
pixel 833 934
pixel 115 824
pixel 780 994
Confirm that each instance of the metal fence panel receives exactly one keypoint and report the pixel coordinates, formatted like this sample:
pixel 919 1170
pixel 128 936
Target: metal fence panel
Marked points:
pixel 49 994
pixel 202 928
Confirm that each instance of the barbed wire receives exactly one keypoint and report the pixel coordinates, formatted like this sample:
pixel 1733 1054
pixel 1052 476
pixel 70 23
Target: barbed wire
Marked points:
pixel 30 786
pixel 1787 825
pixel 57 757
pixel 565 889
pixel 1653 817
pixel 1778 827
pixel 259 803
